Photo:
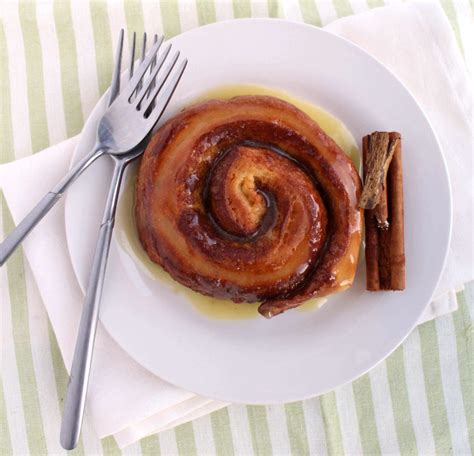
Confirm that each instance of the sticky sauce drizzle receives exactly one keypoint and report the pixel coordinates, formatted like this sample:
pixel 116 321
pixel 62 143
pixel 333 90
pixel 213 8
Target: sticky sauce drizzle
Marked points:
pixel 126 231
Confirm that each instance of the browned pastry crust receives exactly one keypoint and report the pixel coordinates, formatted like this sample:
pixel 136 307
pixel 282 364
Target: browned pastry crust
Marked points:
pixel 249 199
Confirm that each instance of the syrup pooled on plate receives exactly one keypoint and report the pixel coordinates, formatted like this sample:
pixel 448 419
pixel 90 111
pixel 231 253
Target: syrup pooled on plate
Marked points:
pixel 212 307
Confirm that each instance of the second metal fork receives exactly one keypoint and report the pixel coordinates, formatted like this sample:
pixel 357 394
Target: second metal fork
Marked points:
pixel 80 370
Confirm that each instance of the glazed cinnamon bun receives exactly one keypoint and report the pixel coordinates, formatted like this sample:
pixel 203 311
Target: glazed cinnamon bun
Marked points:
pixel 248 199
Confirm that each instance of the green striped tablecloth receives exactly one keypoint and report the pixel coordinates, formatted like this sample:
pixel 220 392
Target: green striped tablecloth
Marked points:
pixel 419 401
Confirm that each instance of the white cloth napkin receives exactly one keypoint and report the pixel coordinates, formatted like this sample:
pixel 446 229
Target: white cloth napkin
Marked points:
pixel 415 41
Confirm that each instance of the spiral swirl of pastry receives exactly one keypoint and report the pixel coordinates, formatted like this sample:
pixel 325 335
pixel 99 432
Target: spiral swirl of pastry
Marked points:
pixel 248 199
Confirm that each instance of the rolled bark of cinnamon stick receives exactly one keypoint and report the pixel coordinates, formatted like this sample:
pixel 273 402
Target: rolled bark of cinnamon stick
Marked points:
pixel 371 232
pixel 384 245
pixel 396 228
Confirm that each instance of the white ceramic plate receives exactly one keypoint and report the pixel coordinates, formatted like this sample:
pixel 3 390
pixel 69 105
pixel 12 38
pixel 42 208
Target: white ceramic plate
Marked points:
pixel 295 355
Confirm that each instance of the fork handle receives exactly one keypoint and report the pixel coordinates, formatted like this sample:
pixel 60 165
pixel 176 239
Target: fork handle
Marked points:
pixel 22 230
pixel 81 365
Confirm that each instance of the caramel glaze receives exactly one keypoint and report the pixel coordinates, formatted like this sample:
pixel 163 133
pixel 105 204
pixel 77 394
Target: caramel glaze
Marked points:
pixel 248 199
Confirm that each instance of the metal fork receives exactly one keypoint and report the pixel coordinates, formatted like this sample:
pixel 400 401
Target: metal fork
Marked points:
pixel 137 108
pixel 125 124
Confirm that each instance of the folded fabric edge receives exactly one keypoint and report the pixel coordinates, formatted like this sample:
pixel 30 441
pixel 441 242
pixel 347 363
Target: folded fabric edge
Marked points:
pixel 195 408
pixel 443 305
pixel 58 148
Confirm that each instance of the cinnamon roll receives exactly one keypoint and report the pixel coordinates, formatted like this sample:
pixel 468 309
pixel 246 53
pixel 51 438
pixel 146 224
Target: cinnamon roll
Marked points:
pixel 248 199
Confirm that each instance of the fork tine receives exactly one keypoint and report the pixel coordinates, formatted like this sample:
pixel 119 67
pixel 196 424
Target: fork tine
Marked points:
pixel 152 66
pixel 165 97
pixel 159 64
pixel 142 58
pixel 141 70
pixel 115 85
pixel 132 55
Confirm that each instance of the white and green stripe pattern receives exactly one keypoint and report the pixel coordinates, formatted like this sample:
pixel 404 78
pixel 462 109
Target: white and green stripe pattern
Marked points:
pixel 55 61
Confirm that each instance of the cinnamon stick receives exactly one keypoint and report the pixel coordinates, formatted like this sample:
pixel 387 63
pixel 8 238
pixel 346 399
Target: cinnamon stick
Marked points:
pixel 397 234
pixel 378 160
pixel 381 210
pixel 384 232
pixel 371 234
